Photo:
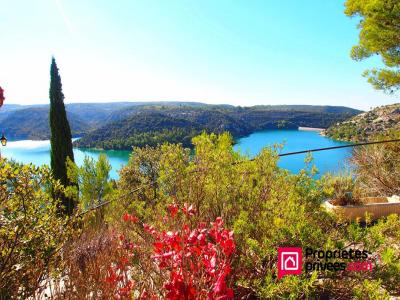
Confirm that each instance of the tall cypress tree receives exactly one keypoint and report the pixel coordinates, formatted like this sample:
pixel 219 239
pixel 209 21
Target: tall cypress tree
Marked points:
pixel 61 143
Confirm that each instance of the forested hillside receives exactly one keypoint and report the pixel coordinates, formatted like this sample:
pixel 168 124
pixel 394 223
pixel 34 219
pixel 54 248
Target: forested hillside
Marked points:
pixel 151 125
pixel 122 125
pixel 32 121
pixel 380 120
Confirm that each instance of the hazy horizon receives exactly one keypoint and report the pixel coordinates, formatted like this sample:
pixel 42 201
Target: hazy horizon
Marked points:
pixel 215 52
pixel 179 101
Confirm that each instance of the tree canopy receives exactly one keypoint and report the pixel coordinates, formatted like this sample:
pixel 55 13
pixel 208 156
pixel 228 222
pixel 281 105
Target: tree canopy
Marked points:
pixel 379 35
pixel 61 139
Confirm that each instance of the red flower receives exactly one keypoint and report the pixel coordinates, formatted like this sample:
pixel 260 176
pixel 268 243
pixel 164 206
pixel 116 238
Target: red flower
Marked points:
pixel 149 229
pixel 129 218
pixel 188 210
pixel 1 97
pixel 173 210
pixel 196 260
pixel 201 238
pixel 144 295
pixel 187 252
pixel 112 277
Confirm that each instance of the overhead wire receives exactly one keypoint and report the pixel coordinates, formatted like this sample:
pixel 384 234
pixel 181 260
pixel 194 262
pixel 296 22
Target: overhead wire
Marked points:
pixel 280 155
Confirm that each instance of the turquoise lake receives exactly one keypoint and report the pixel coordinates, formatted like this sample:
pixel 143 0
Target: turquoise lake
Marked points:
pixel 38 152
pixel 333 161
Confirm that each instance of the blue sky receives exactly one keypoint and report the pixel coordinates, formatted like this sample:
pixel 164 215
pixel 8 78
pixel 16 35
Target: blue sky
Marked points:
pixel 242 52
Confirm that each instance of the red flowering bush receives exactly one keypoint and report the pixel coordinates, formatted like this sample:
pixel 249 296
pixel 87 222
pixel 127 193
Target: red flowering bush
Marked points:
pixel 191 262
pixel 1 97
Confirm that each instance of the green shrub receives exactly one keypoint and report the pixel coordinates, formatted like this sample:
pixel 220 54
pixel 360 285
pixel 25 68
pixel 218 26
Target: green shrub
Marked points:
pixel 341 189
pixel 267 207
pixel 377 167
pixel 31 228
pixel 93 186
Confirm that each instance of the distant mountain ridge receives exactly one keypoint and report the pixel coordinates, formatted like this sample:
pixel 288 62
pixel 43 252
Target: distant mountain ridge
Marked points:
pixel 380 120
pixel 32 121
pixel 154 124
pixel 121 125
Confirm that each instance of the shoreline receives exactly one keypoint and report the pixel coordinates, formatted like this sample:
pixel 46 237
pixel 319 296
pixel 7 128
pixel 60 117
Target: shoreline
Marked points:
pixel 311 129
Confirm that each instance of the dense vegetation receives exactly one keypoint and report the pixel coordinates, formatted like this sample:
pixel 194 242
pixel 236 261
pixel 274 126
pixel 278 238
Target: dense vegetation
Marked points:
pixel 152 125
pixel 378 170
pixel 95 120
pixel 31 228
pixel 367 125
pixel 178 224
pixel 379 35
pixel 206 223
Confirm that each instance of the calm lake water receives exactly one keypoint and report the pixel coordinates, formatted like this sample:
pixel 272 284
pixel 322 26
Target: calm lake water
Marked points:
pixel 295 140
pixel 38 152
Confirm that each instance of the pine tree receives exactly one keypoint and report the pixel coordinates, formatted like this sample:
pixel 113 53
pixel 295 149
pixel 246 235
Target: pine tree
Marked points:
pixel 61 143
